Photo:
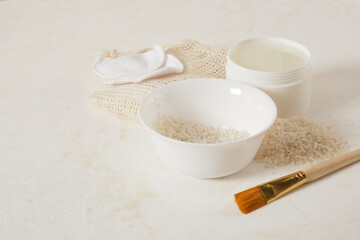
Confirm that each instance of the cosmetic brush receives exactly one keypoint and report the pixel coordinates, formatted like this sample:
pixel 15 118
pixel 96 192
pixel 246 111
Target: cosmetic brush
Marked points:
pixel 256 197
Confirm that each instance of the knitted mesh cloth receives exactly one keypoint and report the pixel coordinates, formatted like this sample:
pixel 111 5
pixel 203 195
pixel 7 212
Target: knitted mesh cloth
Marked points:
pixel 199 61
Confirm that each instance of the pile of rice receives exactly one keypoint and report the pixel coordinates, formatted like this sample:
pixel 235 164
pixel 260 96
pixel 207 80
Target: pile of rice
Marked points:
pixel 296 141
pixel 195 132
pixel 299 141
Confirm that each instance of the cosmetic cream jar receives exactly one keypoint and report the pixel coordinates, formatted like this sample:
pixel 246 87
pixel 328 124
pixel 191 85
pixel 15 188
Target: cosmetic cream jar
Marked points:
pixel 280 67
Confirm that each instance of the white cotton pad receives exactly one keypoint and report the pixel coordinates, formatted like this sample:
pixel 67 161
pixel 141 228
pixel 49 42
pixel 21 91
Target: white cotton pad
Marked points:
pixel 138 67
pixel 170 65
pixel 130 64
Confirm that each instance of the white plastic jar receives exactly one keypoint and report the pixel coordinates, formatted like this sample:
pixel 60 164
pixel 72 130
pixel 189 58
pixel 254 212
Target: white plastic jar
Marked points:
pixel 280 67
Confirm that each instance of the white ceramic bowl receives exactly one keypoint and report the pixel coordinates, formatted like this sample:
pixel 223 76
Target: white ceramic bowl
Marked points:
pixel 214 102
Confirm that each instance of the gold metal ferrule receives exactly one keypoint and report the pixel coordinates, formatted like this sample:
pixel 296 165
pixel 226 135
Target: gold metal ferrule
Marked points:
pixel 274 189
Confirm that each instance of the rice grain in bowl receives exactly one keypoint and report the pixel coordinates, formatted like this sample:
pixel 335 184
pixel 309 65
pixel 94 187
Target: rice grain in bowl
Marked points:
pixel 212 102
pixel 195 132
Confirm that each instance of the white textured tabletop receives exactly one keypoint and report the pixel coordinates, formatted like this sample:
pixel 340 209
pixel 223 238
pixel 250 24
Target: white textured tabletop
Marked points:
pixel 69 171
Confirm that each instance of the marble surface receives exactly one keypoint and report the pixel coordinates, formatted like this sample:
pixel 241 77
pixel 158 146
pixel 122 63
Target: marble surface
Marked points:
pixel 69 171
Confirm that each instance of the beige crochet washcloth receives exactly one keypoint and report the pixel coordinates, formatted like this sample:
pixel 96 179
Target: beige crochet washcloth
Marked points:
pixel 199 61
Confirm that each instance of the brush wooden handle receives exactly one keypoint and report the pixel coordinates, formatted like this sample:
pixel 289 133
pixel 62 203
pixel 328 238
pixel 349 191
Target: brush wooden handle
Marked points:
pixel 323 168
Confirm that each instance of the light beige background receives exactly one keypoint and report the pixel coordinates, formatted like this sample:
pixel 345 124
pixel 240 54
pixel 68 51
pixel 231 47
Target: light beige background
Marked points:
pixel 68 171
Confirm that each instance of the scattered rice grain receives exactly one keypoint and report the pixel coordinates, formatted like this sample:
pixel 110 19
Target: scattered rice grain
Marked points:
pixel 299 141
pixel 296 141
